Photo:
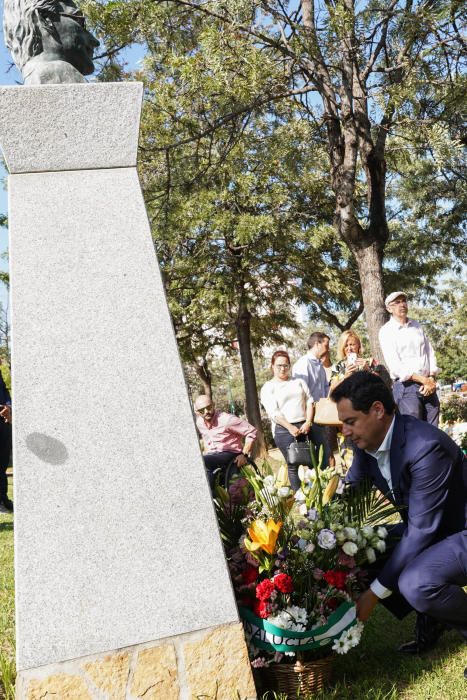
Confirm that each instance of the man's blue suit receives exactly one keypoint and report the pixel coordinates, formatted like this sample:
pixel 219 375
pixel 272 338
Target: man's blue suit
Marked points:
pixel 429 478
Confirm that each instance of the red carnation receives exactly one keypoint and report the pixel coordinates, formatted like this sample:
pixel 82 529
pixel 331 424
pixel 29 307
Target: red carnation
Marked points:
pixel 283 582
pixel 262 608
pixel 264 589
pixel 249 574
pixel 336 578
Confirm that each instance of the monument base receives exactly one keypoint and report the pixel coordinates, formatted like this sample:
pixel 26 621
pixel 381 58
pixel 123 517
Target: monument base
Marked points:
pixel 205 664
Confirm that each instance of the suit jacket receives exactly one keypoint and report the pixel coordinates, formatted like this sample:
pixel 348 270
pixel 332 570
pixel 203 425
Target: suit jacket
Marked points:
pixel 429 478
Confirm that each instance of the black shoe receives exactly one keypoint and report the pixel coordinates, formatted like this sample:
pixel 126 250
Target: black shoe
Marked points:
pixel 7 504
pixel 427 633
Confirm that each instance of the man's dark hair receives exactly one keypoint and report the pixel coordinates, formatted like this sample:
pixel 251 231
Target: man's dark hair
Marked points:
pixel 363 389
pixel 316 338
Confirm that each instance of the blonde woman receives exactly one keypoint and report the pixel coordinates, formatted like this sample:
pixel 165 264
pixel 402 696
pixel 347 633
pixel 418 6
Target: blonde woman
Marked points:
pixel 349 348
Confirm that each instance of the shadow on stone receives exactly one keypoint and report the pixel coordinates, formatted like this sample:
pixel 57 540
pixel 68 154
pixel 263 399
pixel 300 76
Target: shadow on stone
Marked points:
pixel 48 449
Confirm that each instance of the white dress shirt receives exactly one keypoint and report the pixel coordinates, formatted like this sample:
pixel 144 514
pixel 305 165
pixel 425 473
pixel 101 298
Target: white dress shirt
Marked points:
pixel 382 456
pixel 407 350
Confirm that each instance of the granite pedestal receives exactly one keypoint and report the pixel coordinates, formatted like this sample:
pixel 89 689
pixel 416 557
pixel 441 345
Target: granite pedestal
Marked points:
pixel 121 581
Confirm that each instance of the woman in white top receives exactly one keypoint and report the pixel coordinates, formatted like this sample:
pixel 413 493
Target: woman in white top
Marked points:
pixel 289 405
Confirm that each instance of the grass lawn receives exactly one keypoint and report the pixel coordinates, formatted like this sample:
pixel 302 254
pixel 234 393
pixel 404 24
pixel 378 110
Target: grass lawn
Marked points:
pixel 372 671
pixel 7 609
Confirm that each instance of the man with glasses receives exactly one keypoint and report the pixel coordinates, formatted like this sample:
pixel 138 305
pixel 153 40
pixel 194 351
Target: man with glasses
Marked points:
pixel 226 437
pixel 411 362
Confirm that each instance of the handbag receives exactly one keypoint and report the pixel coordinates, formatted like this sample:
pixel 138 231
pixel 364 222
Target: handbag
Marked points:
pixel 299 453
pixel 326 413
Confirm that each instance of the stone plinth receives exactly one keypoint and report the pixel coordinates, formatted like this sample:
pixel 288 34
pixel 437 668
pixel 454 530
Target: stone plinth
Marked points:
pixel 116 539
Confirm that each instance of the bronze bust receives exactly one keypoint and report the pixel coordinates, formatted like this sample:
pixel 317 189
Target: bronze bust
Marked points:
pixel 48 40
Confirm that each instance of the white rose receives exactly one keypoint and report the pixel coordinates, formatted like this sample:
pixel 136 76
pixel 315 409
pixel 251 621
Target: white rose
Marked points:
pixel 283 492
pixel 367 531
pixel 310 547
pixel 350 533
pixel 370 555
pixel 380 546
pixel 382 532
pixel 350 548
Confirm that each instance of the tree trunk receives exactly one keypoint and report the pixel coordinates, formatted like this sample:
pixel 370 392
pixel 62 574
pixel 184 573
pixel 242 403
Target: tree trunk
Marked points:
pixel 204 375
pixel 242 324
pixel 369 261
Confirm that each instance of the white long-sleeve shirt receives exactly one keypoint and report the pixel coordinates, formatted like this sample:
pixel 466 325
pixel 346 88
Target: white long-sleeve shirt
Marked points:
pixel 382 456
pixel 407 350
pixel 286 399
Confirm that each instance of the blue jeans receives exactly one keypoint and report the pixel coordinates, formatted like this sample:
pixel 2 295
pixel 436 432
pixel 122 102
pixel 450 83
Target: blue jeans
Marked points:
pixel 219 461
pixel 283 439
pixel 411 402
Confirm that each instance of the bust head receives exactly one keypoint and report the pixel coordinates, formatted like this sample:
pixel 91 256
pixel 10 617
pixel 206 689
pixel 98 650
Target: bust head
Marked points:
pixel 49 34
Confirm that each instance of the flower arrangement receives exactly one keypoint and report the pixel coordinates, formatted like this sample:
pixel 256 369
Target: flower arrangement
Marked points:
pixel 297 561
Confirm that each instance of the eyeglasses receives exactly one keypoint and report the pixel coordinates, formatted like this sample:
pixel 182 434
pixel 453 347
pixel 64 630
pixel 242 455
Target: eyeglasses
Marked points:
pixel 282 366
pixel 206 408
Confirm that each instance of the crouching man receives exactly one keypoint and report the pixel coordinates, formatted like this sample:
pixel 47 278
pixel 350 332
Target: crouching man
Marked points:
pixel 425 472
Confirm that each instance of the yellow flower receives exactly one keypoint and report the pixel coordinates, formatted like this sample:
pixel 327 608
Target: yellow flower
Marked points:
pixel 330 489
pixel 263 535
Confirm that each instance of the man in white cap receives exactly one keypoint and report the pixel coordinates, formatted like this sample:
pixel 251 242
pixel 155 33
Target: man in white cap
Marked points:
pixel 411 361
pixel 223 435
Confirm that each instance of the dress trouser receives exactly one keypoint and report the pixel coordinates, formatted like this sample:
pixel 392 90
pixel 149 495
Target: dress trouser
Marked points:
pixel 5 453
pixel 411 402
pixel 433 582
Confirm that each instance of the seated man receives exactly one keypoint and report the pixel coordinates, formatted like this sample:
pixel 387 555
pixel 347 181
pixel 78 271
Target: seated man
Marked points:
pixel 222 435
pixel 425 472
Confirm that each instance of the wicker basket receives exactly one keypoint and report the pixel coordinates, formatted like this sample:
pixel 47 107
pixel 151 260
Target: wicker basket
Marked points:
pixel 296 680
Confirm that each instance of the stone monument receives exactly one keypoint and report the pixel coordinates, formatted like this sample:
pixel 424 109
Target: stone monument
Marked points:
pixel 122 590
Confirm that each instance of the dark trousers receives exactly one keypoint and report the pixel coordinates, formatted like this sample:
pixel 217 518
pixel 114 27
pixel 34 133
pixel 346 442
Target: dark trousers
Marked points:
pixel 433 582
pixel 283 439
pixel 219 461
pixel 5 453
pixel 411 402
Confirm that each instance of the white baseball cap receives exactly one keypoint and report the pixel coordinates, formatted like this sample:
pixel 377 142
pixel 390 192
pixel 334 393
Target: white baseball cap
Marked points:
pixel 393 296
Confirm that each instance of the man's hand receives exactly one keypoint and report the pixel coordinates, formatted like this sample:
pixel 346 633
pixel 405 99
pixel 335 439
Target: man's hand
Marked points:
pixel 5 413
pixel 241 460
pixel 428 387
pixel 366 603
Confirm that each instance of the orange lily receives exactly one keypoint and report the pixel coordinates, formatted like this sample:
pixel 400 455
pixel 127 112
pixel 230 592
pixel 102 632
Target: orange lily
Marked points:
pixel 263 535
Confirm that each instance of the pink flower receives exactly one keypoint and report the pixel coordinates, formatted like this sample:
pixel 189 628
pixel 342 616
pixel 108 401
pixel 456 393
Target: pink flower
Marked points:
pixel 318 574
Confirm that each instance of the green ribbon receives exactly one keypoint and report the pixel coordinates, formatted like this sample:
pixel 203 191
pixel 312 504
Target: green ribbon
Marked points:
pixel 264 635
